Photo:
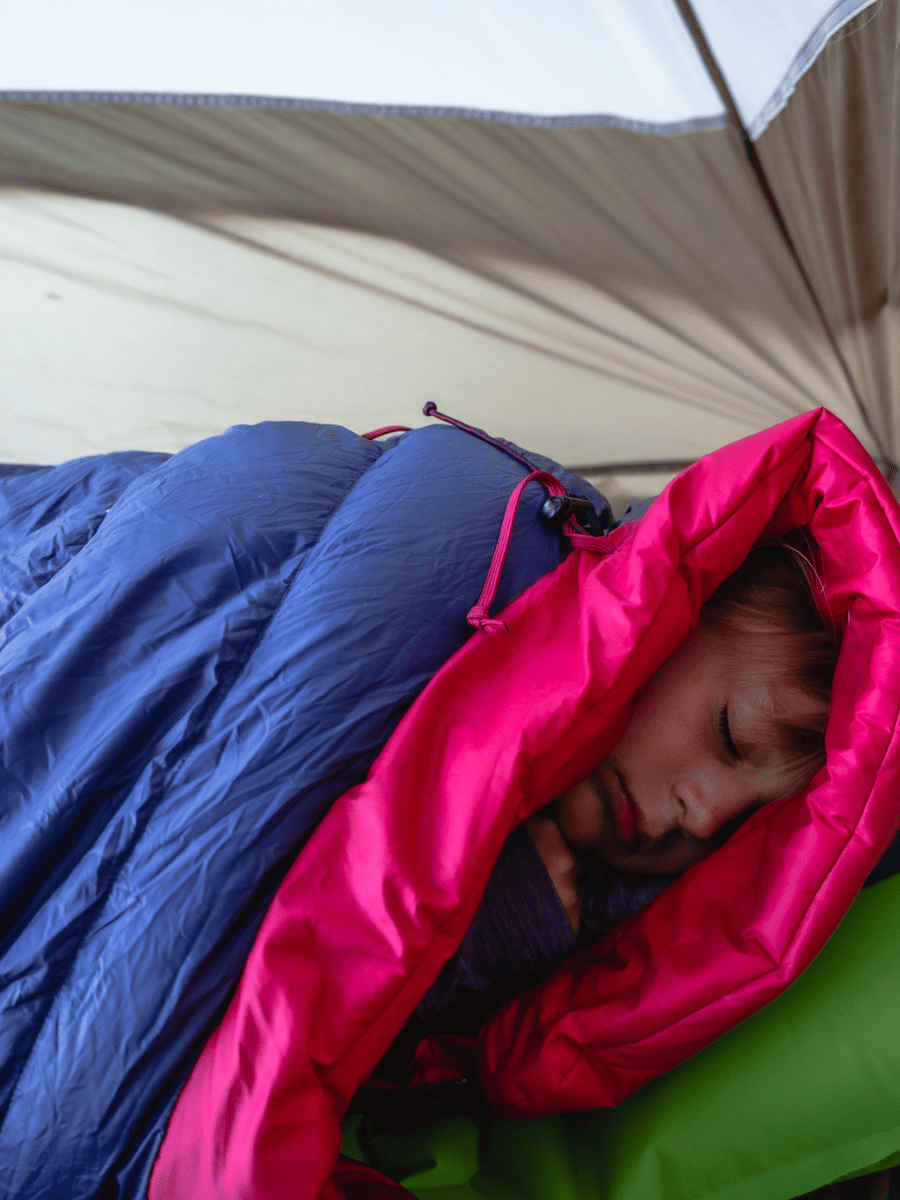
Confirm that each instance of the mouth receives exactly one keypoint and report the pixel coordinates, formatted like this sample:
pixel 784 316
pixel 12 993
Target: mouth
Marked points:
pixel 625 816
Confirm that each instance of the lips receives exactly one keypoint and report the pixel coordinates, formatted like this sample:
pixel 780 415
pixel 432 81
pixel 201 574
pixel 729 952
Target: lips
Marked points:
pixel 625 816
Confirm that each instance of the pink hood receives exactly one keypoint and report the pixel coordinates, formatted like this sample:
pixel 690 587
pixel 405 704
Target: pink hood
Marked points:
pixel 382 894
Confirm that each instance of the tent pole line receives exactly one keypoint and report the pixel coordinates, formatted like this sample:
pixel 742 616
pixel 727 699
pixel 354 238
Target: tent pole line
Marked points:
pixel 709 61
pixel 647 467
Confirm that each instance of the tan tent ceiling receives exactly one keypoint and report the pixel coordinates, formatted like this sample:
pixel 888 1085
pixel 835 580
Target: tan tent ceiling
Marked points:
pixel 589 267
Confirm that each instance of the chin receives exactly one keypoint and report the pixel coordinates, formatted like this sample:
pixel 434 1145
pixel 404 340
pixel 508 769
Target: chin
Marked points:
pixel 636 864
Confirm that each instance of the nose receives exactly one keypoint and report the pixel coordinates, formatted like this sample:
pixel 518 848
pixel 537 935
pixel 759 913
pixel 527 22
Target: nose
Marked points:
pixel 706 801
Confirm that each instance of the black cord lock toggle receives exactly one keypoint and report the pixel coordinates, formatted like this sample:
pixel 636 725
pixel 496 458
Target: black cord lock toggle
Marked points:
pixel 556 510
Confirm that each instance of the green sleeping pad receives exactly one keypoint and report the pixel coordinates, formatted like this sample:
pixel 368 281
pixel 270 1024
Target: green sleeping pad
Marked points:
pixel 802 1094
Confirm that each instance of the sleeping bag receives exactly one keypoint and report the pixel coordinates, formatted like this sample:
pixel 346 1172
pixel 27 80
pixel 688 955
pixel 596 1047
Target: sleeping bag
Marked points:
pixel 382 893
pixel 201 653
pixel 198 654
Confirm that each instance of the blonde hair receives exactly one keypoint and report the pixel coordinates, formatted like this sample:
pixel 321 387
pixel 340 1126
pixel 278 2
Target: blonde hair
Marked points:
pixel 775 635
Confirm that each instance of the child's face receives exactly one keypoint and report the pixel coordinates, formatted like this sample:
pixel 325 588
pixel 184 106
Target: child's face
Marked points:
pixel 696 754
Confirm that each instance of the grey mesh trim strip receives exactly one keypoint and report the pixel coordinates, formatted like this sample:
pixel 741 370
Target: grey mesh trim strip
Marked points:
pixel 842 12
pixel 643 467
pixel 567 121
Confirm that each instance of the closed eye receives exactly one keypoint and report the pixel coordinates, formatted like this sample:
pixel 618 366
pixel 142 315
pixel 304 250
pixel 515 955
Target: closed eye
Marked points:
pixel 725 734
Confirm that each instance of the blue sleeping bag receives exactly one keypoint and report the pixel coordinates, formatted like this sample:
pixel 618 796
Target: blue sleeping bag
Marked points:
pixel 198 654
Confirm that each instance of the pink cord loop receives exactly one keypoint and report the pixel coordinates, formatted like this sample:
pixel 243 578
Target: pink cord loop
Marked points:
pixel 478 614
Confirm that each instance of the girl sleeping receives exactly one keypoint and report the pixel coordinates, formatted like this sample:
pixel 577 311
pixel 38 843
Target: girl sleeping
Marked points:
pixel 733 720
pixel 381 898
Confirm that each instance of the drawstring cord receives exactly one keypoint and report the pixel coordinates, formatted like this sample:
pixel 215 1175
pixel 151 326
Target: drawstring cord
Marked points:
pixel 376 433
pixel 479 615
pixel 431 410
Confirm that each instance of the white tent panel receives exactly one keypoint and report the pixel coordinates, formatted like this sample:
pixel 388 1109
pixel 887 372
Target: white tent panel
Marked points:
pixel 764 46
pixel 628 57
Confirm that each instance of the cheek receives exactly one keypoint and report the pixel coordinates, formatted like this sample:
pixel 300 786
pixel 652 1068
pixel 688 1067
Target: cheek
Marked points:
pixel 662 723
pixel 644 740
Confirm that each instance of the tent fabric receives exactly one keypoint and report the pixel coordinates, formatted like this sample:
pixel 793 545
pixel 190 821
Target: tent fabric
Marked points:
pixel 541 265
pixel 639 278
pixel 124 328
pixel 832 160
pixel 329 983
pixel 197 655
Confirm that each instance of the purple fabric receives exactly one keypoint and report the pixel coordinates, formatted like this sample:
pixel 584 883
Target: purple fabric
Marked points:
pixel 521 930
